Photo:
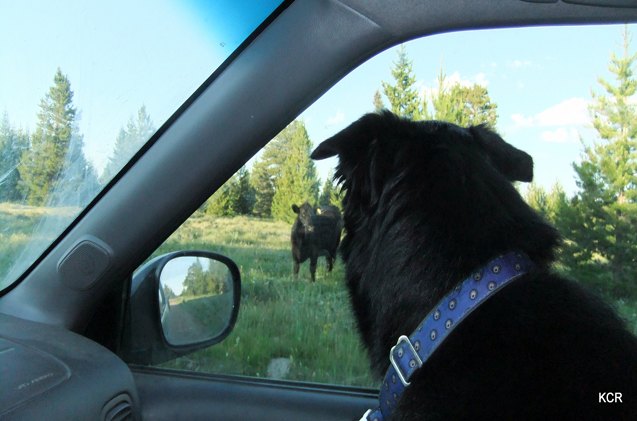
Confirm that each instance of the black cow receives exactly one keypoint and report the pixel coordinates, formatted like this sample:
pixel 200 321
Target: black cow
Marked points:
pixel 315 233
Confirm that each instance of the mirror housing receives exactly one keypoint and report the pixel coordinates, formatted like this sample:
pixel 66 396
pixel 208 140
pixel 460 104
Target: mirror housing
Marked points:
pixel 144 338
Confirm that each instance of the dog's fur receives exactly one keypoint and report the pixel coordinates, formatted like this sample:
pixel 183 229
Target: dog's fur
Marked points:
pixel 427 203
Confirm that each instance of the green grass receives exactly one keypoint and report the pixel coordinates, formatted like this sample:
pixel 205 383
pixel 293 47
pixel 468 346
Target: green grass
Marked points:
pixel 16 232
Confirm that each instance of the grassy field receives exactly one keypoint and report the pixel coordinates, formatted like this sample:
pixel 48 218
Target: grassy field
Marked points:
pixel 307 329
pixel 16 227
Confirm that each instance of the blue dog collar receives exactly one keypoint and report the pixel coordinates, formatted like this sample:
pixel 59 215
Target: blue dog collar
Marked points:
pixel 410 353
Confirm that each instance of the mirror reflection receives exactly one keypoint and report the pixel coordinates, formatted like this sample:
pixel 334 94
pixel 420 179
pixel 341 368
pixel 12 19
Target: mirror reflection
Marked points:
pixel 196 299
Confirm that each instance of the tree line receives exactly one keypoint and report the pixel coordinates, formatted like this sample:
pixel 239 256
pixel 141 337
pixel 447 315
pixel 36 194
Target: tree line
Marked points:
pixel 283 175
pixel 599 222
pixel 33 165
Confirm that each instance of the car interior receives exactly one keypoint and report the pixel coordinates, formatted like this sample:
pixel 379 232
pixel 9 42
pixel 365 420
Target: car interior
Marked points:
pixel 79 337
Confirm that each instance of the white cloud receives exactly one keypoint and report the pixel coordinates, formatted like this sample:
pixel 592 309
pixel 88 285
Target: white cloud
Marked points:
pixel 431 89
pixel 561 135
pixel 477 79
pixel 518 64
pixel 521 121
pixel 570 112
pixel 337 118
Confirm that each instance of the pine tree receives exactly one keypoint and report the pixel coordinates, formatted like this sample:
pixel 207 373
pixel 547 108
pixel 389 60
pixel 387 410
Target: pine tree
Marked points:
pixel 463 105
pixel 537 198
pixel 378 101
pixel 326 191
pixel 455 103
pixel 244 193
pixel 403 95
pixel 235 197
pixel 298 182
pixel 220 203
pixel 262 181
pixel 12 146
pixel 77 183
pixel 550 204
pixel 41 164
pixel 265 173
pixel 601 227
pixel 330 193
pixel 129 140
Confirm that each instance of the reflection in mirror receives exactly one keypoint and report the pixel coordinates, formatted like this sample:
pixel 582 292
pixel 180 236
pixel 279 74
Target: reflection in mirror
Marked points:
pixel 195 299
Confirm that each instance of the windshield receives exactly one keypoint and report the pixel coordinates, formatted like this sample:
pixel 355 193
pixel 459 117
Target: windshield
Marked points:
pixel 83 85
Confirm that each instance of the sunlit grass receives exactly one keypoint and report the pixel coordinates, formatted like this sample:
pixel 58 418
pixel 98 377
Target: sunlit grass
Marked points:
pixel 17 224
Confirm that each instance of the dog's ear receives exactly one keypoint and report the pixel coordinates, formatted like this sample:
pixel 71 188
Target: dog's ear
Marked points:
pixel 358 148
pixel 514 164
pixel 351 139
pixel 295 209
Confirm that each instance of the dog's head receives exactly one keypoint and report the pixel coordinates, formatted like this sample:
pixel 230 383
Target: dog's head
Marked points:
pixel 379 147
pixel 445 172
pixel 425 202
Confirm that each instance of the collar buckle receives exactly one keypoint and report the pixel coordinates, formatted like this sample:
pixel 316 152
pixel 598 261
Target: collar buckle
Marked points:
pixel 410 347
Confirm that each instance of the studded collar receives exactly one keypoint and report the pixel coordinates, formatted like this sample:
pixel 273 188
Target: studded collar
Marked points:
pixel 410 353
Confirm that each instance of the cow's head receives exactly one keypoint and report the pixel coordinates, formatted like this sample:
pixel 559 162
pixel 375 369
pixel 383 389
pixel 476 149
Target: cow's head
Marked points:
pixel 305 215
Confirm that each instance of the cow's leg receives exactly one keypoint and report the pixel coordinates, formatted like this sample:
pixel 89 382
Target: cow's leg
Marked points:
pixel 313 260
pixel 296 269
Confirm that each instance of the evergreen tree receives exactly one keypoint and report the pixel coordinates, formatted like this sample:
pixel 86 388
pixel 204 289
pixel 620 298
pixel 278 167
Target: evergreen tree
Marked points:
pixel 245 193
pixel 266 172
pixel 455 103
pixel 194 283
pixel 129 140
pixel 463 105
pixel 550 204
pixel 403 96
pixel 327 191
pixel 378 101
pixel 235 197
pixel 330 193
pixel 262 180
pixel 77 183
pixel 12 146
pixel 537 198
pixel 42 163
pixel 297 182
pixel 220 203
pixel 601 225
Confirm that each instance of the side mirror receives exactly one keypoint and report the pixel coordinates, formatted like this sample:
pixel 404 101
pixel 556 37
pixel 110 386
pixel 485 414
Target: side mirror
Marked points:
pixel 180 302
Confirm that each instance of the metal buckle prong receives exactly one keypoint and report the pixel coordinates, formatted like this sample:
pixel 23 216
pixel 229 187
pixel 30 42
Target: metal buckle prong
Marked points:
pixel 365 415
pixel 401 376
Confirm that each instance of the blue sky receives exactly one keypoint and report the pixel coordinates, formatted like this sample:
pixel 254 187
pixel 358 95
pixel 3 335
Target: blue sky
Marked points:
pixel 540 78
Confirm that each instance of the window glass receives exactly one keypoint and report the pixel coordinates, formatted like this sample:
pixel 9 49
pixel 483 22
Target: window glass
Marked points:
pixel 558 93
pixel 83 85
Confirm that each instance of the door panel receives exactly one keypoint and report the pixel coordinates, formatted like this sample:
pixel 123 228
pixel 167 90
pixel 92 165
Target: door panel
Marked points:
pixel 171 395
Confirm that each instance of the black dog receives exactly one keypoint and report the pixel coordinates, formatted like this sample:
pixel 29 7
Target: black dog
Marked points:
pixel 315 233
pixel 426 205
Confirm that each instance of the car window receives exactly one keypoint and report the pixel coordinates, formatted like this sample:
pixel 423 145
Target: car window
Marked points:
pixel 562 94
pixel 83 89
